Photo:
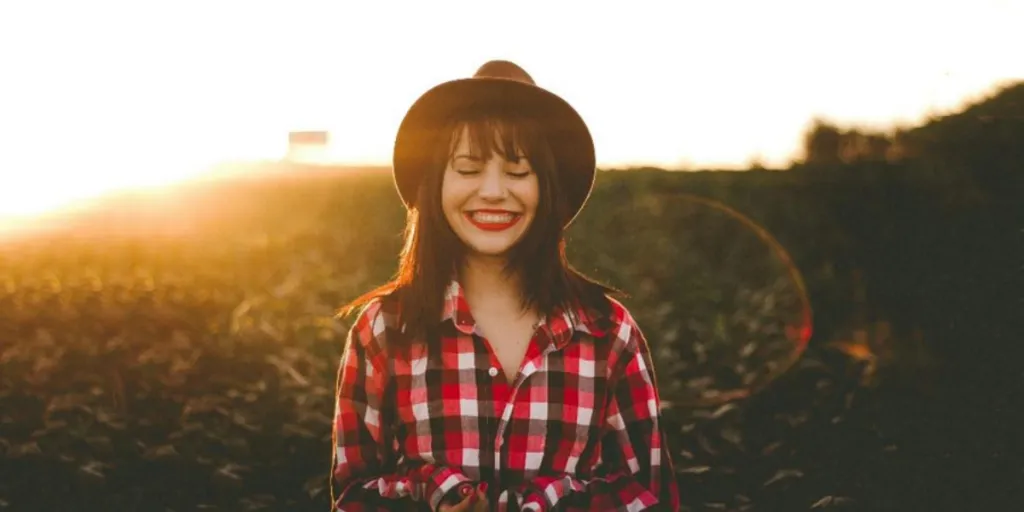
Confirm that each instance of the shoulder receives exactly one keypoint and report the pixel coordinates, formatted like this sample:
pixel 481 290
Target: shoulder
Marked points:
pixel 625 334
pixel 374 323
pixel 621 322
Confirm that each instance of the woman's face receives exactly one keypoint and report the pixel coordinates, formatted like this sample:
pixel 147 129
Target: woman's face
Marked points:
pixel 488 204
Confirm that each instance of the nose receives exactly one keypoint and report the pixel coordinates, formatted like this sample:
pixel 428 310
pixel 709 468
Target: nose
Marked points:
pixel 493 186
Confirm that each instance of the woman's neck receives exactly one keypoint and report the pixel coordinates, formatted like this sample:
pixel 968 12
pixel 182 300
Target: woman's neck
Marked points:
pixel 487 287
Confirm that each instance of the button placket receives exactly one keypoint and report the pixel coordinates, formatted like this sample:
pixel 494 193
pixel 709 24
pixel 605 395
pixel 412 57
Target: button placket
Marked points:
pixel 529 369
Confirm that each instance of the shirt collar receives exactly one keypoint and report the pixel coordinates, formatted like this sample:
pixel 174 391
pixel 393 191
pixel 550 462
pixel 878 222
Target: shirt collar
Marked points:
pixel 561 323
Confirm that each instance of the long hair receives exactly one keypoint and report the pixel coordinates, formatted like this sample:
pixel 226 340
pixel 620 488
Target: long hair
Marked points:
pixel 432 253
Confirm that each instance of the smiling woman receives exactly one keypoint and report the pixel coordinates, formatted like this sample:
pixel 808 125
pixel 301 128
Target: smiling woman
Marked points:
pixel 489 371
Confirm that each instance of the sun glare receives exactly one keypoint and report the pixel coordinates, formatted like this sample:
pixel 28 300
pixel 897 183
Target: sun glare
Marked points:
pixel 103 104
pixel 40 191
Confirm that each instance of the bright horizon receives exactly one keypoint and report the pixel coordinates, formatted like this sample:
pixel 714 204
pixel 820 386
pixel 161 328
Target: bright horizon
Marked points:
pixel 99 86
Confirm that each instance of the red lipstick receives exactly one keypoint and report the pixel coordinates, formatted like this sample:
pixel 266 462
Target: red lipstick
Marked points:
pixel 491 224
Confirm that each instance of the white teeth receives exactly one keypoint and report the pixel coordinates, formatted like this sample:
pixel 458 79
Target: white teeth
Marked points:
pixel 493 218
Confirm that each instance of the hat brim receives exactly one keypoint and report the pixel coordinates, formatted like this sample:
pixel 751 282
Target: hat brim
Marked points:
pixel 569 136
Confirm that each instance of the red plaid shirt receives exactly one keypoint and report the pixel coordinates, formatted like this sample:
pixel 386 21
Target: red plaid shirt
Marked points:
pixel 579 429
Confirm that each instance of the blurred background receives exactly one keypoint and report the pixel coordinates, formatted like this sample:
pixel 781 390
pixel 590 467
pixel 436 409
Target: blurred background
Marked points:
pixel 815 208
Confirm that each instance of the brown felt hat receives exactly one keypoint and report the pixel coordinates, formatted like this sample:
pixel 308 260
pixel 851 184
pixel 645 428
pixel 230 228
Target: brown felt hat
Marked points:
pixel 505 85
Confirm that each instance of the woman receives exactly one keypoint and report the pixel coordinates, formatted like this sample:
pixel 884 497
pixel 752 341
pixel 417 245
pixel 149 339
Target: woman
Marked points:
pixel 489 374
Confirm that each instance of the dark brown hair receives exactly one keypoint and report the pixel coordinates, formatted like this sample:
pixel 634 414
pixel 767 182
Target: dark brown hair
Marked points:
pixel 433 253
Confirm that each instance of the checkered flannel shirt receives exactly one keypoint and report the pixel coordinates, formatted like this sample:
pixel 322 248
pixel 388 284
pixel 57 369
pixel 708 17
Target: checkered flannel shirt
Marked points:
pixel 579 429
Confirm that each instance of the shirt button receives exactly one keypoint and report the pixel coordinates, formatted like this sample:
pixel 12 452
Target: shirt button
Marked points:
pixel 493 372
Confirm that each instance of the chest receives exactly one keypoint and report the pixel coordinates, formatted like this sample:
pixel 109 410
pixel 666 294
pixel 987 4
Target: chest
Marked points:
pixel 451 410
pixel 508 339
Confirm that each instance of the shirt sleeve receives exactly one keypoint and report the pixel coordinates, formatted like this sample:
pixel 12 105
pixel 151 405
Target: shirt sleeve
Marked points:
pixel 636 471
pixel 364 465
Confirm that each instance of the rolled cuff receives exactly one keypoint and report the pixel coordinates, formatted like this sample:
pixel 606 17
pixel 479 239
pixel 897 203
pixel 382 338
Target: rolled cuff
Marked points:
pixel 442 480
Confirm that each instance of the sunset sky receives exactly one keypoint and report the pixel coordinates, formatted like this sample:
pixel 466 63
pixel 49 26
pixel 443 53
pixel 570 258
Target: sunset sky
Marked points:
pixel 91 89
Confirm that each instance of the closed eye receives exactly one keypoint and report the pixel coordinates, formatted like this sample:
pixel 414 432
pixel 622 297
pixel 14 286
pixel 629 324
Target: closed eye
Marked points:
pixel 519 174
pixel 467 172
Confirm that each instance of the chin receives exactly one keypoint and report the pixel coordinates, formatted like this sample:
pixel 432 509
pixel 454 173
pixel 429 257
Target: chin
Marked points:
pixel 490 251
pixel 491 246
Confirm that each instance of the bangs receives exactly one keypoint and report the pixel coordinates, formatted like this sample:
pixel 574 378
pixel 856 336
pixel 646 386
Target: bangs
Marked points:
pixel 512 137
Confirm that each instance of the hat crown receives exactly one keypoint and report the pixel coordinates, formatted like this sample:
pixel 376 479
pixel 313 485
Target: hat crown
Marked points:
pixel 504 69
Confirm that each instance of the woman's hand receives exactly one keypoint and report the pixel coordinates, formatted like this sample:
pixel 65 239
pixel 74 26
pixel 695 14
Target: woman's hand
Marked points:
pixel 475 501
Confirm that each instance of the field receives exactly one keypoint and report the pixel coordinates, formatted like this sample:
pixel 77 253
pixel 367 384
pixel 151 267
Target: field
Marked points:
pixel 179 353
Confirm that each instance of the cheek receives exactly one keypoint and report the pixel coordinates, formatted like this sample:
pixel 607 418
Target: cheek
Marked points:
pixel 453 199
pixel 530 195
pixel 449 196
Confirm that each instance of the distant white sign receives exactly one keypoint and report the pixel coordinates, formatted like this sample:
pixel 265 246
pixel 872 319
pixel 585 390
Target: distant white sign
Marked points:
pixel 307 146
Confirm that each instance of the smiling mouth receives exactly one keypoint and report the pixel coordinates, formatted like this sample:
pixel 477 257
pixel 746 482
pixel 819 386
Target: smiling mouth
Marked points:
pixel 493 221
